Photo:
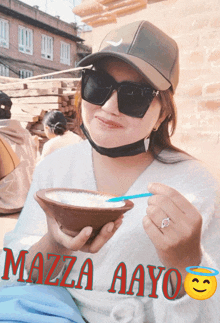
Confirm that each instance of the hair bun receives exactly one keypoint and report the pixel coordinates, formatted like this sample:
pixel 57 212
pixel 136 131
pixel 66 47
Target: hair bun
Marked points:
pixel 56 121
pixel 59 128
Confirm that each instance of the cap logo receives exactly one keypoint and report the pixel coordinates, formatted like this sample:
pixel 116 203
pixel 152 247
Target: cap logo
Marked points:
pixel 115 44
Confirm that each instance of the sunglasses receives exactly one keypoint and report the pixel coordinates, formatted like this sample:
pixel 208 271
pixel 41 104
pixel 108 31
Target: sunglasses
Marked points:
pixel 134 99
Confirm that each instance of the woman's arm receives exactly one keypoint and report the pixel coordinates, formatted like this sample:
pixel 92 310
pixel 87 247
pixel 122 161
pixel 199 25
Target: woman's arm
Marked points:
pixel 37 233
pixel 181 246
pixel 57 242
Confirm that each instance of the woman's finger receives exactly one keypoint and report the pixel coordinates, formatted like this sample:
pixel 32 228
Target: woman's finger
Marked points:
pixel 167 206
pixel 104 235
pixel 74 243
pixel 157 215
pixel 152 231
pixel 79 241
pixel 179 200
pixel 164 212
pixel 163 239
pixel 175 205
pixel 67 240
pixel 118 223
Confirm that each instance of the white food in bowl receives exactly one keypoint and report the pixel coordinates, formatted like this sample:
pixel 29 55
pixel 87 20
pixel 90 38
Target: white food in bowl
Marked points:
pixel 82 199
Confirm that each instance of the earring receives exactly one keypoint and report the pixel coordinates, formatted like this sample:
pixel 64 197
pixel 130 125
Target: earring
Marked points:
pixel 146 143
pixel 155 128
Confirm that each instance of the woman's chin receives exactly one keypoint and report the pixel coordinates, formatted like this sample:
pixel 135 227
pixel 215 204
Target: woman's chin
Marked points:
pixel 107 139
pixel 106 142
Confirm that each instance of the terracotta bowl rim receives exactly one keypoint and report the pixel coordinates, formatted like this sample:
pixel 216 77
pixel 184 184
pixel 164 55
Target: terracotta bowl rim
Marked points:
pixel 41 194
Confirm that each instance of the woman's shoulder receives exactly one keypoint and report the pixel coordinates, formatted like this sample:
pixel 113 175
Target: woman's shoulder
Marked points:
pixel 187 170
pixel 67 155
pixel 72 134
pixel 182 160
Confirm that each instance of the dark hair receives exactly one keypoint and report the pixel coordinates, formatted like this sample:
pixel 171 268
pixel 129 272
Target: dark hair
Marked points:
pixel 6 101
pixel 56 121
pixel 160 139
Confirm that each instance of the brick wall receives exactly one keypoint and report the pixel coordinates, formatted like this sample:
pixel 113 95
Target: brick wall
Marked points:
pixel 195 25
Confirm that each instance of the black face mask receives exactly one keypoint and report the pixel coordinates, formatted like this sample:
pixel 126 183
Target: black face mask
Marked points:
pixel 133 149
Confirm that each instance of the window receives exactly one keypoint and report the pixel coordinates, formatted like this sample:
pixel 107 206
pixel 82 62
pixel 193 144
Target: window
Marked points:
pixel 4 70
pixel 47 47
pixel 65 53
pixel 25 73
pixel 4 33
pixel 25 40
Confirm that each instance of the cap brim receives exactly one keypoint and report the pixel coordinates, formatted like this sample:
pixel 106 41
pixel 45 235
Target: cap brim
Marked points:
pixel 153 77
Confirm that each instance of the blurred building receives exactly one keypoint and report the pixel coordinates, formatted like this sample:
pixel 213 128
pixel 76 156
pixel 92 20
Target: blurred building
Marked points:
pixel 33 42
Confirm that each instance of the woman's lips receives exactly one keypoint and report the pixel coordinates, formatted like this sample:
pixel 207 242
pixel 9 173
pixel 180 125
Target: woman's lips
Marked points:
pixel 109 123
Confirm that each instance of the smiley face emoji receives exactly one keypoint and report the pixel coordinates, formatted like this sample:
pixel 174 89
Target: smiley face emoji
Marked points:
pixel 199 286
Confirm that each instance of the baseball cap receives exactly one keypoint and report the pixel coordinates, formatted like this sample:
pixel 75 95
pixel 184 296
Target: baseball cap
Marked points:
pixel 146 48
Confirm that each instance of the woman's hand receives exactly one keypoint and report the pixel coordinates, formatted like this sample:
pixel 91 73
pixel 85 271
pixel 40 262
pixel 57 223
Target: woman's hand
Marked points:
pixel 55 241
pixel 65 242
pixel 81 240
pixel 178 244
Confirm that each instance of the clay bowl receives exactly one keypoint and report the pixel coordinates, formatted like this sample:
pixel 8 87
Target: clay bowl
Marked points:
pixel 74 209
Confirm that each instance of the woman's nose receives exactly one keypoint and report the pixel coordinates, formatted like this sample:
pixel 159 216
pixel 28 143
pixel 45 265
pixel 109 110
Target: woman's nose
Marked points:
pixel 111 105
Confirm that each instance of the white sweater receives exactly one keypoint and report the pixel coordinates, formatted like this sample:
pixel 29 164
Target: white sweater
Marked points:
pixel 68 138
pixel 130 244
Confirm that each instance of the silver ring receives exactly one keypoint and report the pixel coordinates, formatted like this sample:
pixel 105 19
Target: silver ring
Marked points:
pixel 165 223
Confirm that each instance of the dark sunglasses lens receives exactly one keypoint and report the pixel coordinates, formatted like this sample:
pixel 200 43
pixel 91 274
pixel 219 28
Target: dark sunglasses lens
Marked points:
pixel 95 88
pixel 134 101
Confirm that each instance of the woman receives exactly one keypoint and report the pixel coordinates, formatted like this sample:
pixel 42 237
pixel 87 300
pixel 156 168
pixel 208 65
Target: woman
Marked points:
pixel 127 110
pixel 55 128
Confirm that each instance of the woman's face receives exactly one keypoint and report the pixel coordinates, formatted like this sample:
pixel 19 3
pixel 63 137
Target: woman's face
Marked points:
pixel 110 128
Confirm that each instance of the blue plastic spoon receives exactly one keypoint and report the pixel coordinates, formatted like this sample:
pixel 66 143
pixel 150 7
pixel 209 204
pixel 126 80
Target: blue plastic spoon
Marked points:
pixel 128 197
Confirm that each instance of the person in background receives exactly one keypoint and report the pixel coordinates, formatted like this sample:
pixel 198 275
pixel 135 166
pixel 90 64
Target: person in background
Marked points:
pixel 14 185
pixel 55 128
